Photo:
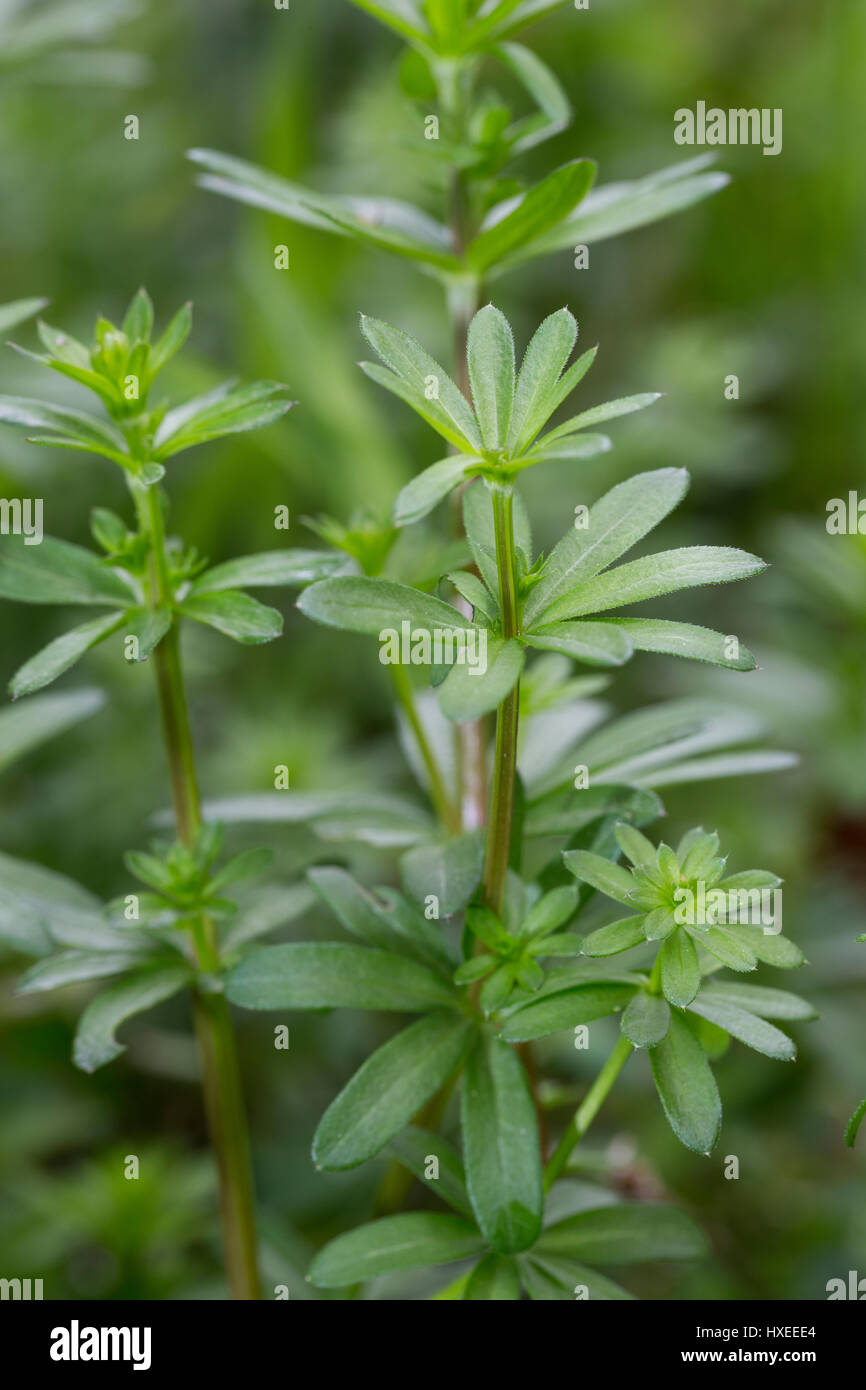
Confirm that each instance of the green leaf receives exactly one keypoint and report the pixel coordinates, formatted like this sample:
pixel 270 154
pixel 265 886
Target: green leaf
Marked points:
pixel 429 488
pixel 373 606
pixel 535 392
pixel 637 847
pixel 414 1148
pixel 725 944
pixel 500 1146
pixel 595 644
pixel 423 375
pixel 229 409
pixel 95 1043
pixel 552 1280
pixel 387 920
pixel 75 967
pixel 171 340
pixel 449 870
pixel 572 446
pixel 625 1234
pixel 552 910
pixel 493 1279
pixel 334 975
pixel 544 88
pixel 853 1126
pixel 684 639
pixel 18 311
pixel 478 521
pixel 270 569
pixel 581 1004
pixel 618 936
pixel 769 1003
pixel 235 614
pixel 28 725
pixel 646 1020
pixel 620 519
pixel 746 1026
pixel 138 323
pixel 392 1086
pixel 57 572
pixel 598 414
pixel 681 973
pixel 469 691
pixel 490 356
pixel 654 575
pixel 408 1241
pixel 148 626
pixel 610 879
pixel 72 428
pixel 59 655
pixel 545 205
pixel 476 593
pixel 770 947
pixel 686 1087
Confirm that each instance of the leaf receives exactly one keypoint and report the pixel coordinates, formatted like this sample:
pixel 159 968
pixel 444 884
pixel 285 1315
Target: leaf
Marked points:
pixel 28 725
pixel 610 879
pixel 621 518
pixel 493 1278
pixel 392 1085
pixel 478 521
pixel 449 871
pixel 640 743
pixel 746 1026
pixel 552 910
pixel 392 924
pixel 334 975
pixel 476 593
pixel 429 488
pixel 597 414
pixel 769 1003
pixel 374 606
pixel 770 947
pixel 57 572
pixel 686 1087
pixel 95 1043
pixel 565 1009
pixel 148 626
pixel 500 1146
pixel 546 91
pixel 556 1280
pixel 18 311
pixel 76 427
pixel 545 204
pixel 138 323
pixel 394 1243
pixel 490 357
pixel 684 639
pixel 567 810
pixel 596 644
pixel 681 973
pixel 645 1020
pixel 171 340
pixel 469 691
pixel 414 1148
pixel 230 409
pixel 59 655
pixel 572 446
pixel 853 1126
pixel 270 569
pixel 75 967
pixel 625 1234
pixel 654 575
pixel 235 614
pixel 423 374
pixel 614 209
pixel 726 946
pixel 618 936
pixel 543 364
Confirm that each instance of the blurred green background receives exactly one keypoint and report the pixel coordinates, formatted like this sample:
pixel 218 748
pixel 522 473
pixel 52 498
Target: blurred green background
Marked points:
pixel 764 280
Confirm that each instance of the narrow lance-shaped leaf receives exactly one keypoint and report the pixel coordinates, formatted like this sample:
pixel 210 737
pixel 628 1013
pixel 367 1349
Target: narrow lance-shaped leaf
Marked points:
pixel 334 975
pixel 270 569
pixel 687 1087
pixel 490 356
pixel 95 1043
pixel 500 1146
pixel 654 575
pixel 57 572
pixel 546 204
pixel 60 655
pixel 235 614
pixel 408 1241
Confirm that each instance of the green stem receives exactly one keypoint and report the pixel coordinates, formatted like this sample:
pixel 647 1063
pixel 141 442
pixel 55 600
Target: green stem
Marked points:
pixel 224 1105
pixel 587 1111
pixel 448 814
pixel 505 754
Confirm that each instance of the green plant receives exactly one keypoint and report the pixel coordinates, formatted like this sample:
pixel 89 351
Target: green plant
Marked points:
pixel 477 942
pixel 180 933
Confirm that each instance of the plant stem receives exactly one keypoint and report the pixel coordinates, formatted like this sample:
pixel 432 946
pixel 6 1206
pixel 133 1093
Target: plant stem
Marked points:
pixel 448 814
pixel 505 755
pixel 221 1077
pixel 587 1111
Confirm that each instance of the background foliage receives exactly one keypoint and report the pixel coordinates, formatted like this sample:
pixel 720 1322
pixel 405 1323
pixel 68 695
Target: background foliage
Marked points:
pixel 757 281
